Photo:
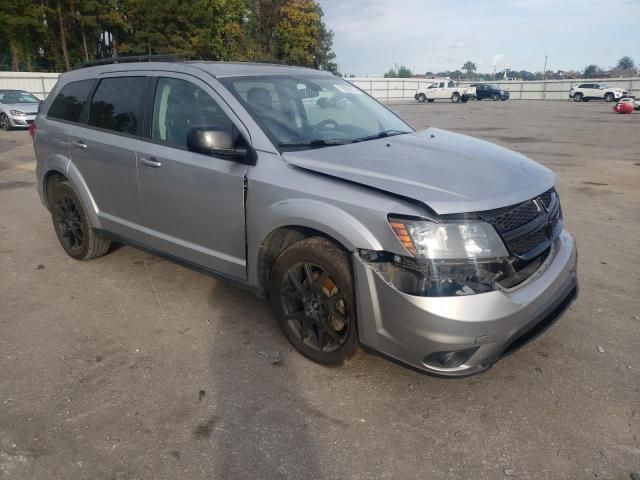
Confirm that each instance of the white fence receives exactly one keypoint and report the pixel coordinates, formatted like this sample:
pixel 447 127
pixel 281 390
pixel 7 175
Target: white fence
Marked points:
pixel 40 84
pixel 404 89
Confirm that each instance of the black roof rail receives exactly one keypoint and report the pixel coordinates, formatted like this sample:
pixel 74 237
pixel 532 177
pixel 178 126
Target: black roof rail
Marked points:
pixel 130 59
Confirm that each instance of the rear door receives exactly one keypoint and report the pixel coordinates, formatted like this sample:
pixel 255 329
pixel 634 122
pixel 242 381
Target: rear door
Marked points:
pixel 193 203
pixel 104 151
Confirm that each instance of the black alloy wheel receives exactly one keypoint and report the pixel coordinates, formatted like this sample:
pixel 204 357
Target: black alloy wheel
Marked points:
pixel 312 296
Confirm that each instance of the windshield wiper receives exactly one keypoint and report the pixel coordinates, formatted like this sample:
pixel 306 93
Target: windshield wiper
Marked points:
pixel 381 134
pixel 316 142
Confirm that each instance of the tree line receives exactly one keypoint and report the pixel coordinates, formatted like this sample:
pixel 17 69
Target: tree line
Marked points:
pixel 53 35
pixel 625 66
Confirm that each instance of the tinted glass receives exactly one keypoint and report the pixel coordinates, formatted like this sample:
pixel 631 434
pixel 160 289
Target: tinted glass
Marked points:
pixel 70 101
pixel 117 104
pixel 180 105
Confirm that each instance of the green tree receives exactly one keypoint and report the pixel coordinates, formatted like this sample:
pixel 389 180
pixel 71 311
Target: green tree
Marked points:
pixel 626 63
pixel 301 37
pixel 469 67
pixel 591 71
pixel 404 72
pixel 20 24
pixel 391 73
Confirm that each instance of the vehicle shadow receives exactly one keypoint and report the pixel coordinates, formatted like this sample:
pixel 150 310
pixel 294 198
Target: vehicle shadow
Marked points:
pixel 260 425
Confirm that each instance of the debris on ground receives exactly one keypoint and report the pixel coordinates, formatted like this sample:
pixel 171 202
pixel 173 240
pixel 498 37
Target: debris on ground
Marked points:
pixel 509 472
pixel 600 349
pixel 635 476
pixel 40 267
pixel 273 356
pixel 201 395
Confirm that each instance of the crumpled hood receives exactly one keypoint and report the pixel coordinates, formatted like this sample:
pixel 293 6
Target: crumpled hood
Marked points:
pixel 30 108
pixel 449 172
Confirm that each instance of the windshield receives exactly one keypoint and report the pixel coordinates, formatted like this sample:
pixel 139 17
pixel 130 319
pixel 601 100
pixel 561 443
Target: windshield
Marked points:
pixel 312 112
pixel 17 97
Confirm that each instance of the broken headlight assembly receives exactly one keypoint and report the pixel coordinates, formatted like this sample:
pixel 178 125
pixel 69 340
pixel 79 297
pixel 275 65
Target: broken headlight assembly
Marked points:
pixel 446 258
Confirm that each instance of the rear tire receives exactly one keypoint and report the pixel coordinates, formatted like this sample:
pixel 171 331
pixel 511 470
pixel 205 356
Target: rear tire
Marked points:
pixel 464 99
pixel 455 98
pixel 312 295
pixel 577 97
pixel 421 97
pixel 608 97
pixel 72 226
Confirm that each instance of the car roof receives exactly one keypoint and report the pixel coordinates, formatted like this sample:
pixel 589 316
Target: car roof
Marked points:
pixel 215 69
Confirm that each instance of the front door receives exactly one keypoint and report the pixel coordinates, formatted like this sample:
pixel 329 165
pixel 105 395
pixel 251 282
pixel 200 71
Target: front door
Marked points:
pixel 193 203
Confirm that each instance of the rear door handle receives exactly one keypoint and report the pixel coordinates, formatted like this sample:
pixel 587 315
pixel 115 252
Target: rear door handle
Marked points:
pixel 151 162
pixel 79 144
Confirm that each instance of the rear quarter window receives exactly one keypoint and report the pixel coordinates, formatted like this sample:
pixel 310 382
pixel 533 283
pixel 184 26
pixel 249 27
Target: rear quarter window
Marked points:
pixel 117 104
pixel 70 101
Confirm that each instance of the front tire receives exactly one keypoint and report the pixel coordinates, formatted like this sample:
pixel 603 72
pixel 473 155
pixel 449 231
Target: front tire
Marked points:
pixel 608 97
pixel 577 97
pixel 72 226
pixel 495 97
pixel 430 100
pixel 312 295
pixel 4 122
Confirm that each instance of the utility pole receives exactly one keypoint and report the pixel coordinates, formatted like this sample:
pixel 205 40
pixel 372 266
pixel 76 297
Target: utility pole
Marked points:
pixel 544 88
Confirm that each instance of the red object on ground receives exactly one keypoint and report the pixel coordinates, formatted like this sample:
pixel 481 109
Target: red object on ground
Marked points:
pixel 624 107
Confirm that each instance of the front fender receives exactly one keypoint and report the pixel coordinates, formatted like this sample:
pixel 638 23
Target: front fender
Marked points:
pixel 318 215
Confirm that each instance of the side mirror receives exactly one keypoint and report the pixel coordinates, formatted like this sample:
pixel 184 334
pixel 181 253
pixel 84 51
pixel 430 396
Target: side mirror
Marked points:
pixel 210 140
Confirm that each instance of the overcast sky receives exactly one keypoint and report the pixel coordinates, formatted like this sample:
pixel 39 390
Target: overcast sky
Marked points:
pixel 426 35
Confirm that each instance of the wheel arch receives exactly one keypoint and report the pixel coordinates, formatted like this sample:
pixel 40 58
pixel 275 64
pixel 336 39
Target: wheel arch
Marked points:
pixel 291 221
pixel 64 170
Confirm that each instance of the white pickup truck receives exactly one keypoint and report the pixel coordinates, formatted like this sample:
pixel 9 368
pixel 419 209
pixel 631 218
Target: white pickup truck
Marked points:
pixel 445 89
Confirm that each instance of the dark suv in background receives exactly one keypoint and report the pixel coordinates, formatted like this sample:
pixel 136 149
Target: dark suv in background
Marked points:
pixel 484 90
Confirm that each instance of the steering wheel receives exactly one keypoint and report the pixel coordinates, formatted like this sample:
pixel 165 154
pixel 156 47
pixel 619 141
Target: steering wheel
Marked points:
pixel 324 123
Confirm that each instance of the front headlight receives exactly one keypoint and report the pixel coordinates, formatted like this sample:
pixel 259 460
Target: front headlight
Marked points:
pixel 447 258
pixel 467 239
pixel 17 113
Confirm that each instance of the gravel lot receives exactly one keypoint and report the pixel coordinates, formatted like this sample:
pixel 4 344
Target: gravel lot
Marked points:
pixel 131 367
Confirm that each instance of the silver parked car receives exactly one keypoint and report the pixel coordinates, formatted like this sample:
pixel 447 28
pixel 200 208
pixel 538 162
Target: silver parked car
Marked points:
pixel 17 109
pixel 432 248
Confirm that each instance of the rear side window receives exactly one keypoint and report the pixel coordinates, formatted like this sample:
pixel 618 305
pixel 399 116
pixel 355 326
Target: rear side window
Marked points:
pixel 70 101
pixel 117 104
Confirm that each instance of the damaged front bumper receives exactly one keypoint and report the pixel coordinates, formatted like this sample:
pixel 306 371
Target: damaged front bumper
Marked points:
pixel 462 335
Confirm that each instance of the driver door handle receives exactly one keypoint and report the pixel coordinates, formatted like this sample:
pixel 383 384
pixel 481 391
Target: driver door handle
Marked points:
pixel 151 162
pixel 79 144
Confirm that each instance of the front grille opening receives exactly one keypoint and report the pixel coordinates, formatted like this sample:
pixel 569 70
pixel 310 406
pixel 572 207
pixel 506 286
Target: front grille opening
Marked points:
pixel 542 325
pixel 523 269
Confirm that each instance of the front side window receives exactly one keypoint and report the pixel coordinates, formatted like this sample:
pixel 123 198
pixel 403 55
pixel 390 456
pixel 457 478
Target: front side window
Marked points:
pixel 313 111
pixel 69 103
pixel 180 105
pixel 441 84
pixel 117 104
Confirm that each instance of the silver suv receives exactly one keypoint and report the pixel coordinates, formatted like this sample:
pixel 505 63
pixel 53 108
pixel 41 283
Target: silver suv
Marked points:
pixel 432 248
